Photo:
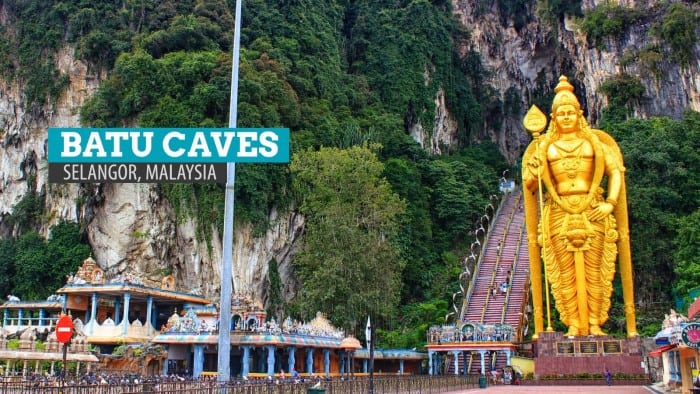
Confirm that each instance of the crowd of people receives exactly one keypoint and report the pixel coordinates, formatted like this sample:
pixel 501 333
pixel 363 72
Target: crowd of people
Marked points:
pixel 155 382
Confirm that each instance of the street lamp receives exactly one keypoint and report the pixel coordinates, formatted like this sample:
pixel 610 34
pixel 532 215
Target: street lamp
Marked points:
pixel 224 355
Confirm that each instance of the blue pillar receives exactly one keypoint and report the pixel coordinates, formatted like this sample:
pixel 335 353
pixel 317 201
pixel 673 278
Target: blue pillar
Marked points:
pixel 245 369
pixel 117 310
pixel 154 317
pixel 93 314
pixel 483 363
pixel 327 361
pixel 401 367
pixel 125 315
pixel 342 356
pixel 456 354
pixel 365 361
pixel 42 315
pixel 677 366
pixel 5 316
pixel 20 315
pixel 310 360
pixel 261 361
pixel 671 366
pixel 165 364
pixel 430 362
pixel 270 360
pixel 64 302
pixel 198 361
pixel 149 309
pixel 290 359
pixel 507 356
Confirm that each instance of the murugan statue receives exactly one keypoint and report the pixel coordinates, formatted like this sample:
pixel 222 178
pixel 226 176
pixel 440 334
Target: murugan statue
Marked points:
pixel 575 226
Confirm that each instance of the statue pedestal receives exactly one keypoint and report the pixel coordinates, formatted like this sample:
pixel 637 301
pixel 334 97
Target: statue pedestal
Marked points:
pixel 556 355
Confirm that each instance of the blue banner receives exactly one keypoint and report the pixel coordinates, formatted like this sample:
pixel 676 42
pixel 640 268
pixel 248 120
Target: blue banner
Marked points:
pixel 168 145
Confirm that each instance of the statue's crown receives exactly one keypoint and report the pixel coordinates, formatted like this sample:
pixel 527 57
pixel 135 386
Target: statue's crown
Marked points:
pixel 564 94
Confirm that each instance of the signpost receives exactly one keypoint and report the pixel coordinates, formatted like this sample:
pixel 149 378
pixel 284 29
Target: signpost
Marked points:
pixel 64 329
pixel 64 333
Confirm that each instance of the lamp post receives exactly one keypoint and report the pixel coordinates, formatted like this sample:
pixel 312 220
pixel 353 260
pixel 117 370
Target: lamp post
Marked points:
pixel 224 355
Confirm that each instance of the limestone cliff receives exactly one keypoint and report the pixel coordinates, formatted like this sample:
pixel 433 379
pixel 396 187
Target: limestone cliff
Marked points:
pixel 526 60
pixel 132 227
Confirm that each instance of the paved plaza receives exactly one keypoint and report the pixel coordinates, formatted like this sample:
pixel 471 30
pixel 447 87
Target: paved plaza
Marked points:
pixel 507 389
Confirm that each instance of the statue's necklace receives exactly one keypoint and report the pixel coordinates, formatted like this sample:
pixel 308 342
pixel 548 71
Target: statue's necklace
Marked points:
pixel 571 157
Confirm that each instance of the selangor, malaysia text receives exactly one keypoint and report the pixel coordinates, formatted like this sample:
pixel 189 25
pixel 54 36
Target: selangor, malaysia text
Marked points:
pixel 100 173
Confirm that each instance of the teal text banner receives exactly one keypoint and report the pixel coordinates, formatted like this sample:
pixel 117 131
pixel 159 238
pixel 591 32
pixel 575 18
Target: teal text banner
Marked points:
pixel 168 145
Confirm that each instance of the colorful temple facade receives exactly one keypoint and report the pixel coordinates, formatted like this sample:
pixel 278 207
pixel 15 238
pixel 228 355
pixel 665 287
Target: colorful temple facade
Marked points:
pixel 125 312
pixel 677 347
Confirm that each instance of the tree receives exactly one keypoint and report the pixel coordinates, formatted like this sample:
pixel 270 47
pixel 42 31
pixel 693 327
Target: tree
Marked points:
pixel 7 264
pixel 41 266
pixel 348 266
pixel 662 164
pixel 687 254
pixel 31 265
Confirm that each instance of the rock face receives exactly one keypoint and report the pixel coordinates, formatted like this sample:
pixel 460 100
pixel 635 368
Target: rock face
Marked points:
pixel 536 55
pixel 133 229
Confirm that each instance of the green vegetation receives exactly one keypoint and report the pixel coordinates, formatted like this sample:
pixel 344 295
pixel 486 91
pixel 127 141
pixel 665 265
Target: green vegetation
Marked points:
pixel 662 163
pixel 348 266
pixel 386 228
pixel 40 266
pixel 608 20
pixel 677 29
pixel 554 11
pixel 515 10
pixel 687 253
pixel 13 344
pixel 274 291
pixel 30 265
pixel 622 91
pixel 649 60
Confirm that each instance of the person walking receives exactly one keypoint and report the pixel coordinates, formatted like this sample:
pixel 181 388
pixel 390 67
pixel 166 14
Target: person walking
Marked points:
pixel 608 377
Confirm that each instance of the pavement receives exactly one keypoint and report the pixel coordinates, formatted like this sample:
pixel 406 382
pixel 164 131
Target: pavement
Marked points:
pixel 507 389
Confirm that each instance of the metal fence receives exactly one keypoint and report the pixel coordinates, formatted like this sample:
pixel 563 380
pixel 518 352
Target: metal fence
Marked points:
pixel 383 385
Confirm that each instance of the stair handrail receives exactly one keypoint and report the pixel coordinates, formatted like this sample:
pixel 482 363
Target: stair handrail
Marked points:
pixel 516 257
pixel 524 302
pixel 477 265
pixel 506 304
pixel 498 258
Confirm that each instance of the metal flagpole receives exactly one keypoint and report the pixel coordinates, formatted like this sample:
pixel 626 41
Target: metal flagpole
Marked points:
pixel 224 354
pixel 371 359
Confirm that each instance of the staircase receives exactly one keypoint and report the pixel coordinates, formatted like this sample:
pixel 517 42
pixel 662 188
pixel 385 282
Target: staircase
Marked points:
pixel 473 362
pixel 505 252
pixel 504 259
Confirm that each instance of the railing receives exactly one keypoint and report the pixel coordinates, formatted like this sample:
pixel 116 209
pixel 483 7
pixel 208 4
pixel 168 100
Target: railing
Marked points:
pixel 516 257
pixel 384 385
pixel 498 257
pixel 15 323
pixel 477 265
pixel 526 296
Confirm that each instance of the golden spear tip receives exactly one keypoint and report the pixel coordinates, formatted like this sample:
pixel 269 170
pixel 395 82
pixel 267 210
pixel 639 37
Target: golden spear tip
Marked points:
pixel 535 121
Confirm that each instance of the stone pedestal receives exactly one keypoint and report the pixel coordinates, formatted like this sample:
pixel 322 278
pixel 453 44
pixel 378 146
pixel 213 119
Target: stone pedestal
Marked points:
pixel 556 355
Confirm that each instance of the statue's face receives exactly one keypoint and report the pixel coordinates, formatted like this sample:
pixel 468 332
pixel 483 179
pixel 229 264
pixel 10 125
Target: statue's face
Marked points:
pixel 566 118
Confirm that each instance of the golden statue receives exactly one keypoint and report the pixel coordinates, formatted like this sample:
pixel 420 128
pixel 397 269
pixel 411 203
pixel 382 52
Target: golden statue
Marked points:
pixel 582 227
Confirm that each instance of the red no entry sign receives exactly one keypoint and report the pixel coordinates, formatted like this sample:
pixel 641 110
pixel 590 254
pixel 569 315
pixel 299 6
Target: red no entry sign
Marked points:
pixel 64 329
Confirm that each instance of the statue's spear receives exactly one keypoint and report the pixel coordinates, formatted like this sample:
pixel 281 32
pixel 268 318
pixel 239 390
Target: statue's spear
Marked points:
pixel 535 122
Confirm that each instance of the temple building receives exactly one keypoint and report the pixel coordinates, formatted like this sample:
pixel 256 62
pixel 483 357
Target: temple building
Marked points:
pixel 123 312
pixel 677 346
